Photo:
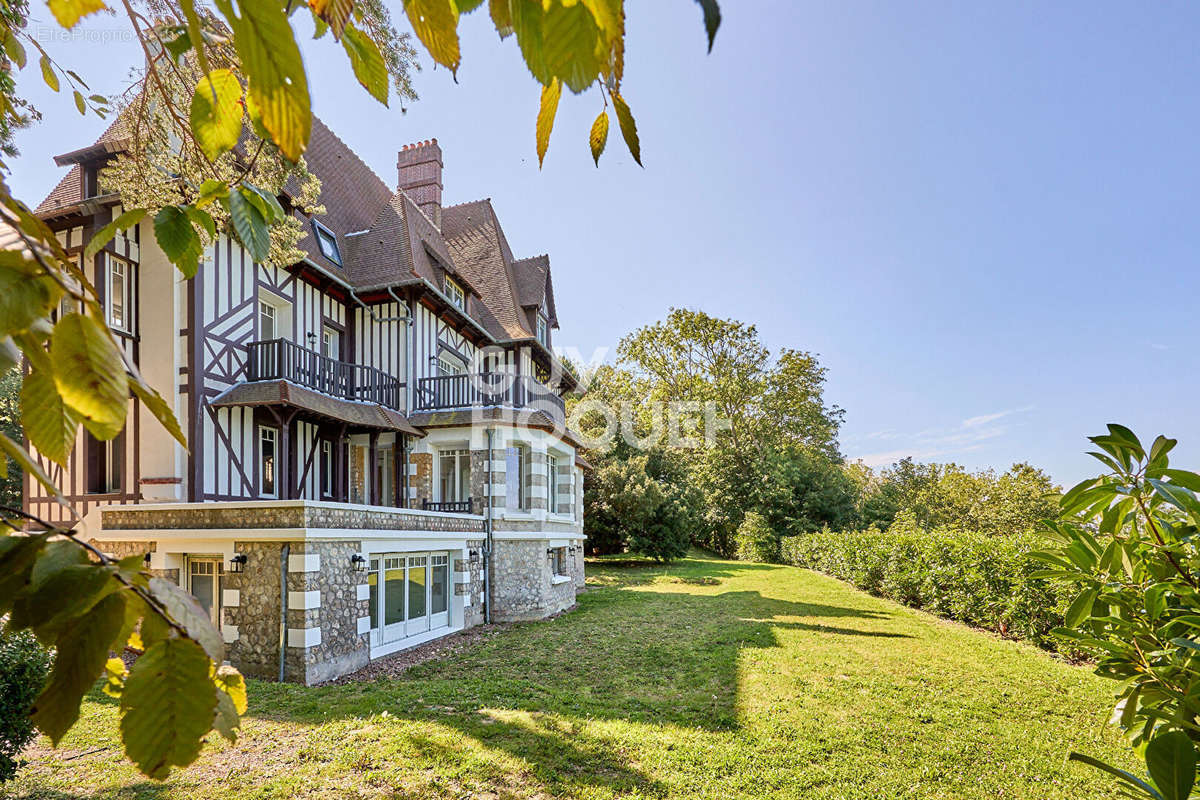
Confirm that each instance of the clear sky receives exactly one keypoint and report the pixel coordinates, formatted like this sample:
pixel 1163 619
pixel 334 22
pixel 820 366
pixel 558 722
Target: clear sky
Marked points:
pixel 982 216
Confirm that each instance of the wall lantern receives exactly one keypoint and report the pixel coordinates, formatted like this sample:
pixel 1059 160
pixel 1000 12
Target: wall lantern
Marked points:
pixel 146 560
pixel 237 563
pixel 358 562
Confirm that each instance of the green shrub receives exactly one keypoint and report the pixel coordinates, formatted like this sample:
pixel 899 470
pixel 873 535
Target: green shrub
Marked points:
pixel 982 580
pixel 24 665
pixel 755 540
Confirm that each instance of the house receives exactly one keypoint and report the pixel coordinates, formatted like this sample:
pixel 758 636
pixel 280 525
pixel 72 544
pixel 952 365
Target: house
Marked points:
pixel 378 452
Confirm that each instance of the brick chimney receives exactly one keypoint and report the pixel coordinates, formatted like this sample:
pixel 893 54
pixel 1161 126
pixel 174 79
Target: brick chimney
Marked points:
pixel 419 172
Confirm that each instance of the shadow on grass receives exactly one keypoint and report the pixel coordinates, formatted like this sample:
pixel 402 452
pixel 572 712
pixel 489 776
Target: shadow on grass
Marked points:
pixel 628 654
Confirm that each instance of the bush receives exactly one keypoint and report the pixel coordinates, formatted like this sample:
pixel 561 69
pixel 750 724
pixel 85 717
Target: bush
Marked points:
pixel 985 581
pixel 24 665
pixel 755 540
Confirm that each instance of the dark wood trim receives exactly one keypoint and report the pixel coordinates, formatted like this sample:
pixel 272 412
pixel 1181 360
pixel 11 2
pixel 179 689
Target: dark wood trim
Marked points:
pixel 195 371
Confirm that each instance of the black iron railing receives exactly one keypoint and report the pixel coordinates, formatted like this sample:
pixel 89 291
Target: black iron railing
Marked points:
pixel 281 359
pixel 487 389
pixel 453 506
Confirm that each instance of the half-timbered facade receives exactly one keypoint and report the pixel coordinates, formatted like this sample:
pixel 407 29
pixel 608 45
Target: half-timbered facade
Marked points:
pixel 378 447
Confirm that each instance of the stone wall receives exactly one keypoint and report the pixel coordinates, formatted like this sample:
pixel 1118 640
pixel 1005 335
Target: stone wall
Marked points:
pixel 473 588
pixel 255 618
pixel 420 479
pixel 340 648
pixel 121 550
pixel 297 515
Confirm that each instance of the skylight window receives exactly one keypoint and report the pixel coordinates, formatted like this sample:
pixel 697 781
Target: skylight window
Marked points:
pixel 327 242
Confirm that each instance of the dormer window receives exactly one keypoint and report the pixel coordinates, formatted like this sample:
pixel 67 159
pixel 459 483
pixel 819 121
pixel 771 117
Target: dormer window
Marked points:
pixel 456 294
pixel 327 242
pixel 543 330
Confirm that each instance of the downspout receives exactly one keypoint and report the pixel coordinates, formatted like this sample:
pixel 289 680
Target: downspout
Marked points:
pixel 284 552
pixel 487 533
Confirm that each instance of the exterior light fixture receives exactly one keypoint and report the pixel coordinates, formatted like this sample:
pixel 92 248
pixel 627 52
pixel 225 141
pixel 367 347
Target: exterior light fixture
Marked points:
pixel 146 560
pixel 358 562
pixel 312 339
pixel 237 564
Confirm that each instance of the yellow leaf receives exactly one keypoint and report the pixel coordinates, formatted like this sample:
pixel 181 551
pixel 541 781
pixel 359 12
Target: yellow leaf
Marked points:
pixel 69 12
pixel 436 25
pixel 545 117
pixel 598 136
pixel 216 113
pixel 336 13
pixel 89 370
pixel 367 62
pixel 628 127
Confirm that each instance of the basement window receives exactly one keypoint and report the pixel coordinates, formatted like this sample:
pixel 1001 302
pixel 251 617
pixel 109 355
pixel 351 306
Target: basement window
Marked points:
pixel 327 241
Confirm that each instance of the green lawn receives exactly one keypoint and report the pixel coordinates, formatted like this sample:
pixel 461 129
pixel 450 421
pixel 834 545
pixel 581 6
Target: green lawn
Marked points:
pixel 705 679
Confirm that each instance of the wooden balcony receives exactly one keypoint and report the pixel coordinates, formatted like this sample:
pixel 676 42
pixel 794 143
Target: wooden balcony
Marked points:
pixel 477 390
pixel 281 359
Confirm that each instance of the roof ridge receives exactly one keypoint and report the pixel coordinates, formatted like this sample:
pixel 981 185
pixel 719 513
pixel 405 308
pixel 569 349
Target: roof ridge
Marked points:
pixel 468 203
pixel 317 120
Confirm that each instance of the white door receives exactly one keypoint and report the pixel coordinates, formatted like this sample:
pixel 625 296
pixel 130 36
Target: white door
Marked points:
pixel 205 580
pixel 418 594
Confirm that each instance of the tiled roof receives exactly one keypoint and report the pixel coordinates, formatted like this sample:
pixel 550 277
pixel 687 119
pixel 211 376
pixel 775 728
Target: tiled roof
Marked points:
pixel 533 284
pixel 482 254
pixel 68 192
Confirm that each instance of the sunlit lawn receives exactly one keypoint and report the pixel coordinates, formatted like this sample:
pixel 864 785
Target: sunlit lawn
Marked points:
pixel 705 679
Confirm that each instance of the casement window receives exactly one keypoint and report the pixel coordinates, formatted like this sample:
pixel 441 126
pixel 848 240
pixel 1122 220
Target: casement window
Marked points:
pixel 558 561
pixel 543 330
pixel 119 294
pixel 385 474
pixel 456 294
pixel 454 476
pixel 326 468
pixel 331 342
pixel 516 477
pixel 448 364
pixel 268 461
pixel 268 321
pixel 327 241
pixel 104 463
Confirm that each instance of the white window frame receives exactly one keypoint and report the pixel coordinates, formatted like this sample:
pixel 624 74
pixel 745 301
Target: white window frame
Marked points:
pixel 282 316
pixel 520 454
pixel 110 264
pixel 327 239
pixel 543 329
pixel 331 342
pixel 268 433
pixel 463 493
pixel 458 297
pixel 449 364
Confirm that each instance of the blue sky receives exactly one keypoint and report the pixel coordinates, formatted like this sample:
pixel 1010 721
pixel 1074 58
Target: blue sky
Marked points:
pixel 980 216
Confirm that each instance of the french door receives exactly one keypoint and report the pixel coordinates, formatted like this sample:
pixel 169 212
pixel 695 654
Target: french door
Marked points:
pixel 415 593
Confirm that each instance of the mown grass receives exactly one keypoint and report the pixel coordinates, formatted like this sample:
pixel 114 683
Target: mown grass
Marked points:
pixel 704 679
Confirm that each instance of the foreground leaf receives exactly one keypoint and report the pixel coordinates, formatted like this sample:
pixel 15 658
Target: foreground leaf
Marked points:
pixel 367 63
pixel 82 650
pixel 249 224
pixel 216 113
pixel 598 136
pixel 49 423
pixel 175 235
pixel 89 370
pixel 106 234
pixel 167 706
pixel 69 12
pixel 628 127
pixel 712 19
pixel 186 612
pixel 1171 762
pixel 156 405
pixel 545 118
pixel 436 25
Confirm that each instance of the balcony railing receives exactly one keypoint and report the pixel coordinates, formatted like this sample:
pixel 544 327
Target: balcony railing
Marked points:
pixel 280 359
pixel 451 506
pixel 487 389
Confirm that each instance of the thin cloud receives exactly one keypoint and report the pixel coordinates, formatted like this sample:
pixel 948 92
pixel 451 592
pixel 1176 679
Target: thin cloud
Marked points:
pixel 938 443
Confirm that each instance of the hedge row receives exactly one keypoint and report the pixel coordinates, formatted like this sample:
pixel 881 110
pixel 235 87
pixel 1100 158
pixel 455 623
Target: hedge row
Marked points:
pixel 962 575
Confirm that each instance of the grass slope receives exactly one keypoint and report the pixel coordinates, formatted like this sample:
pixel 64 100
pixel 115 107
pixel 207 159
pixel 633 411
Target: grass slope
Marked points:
pixel 705 679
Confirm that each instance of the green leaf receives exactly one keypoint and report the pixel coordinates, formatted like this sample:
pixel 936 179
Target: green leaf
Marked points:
pixel 628 127
pixel 178 239
pixel 1188 480
pixel 501 17
pixel 69 12
pixel 212 189
pixel 18 556
pixel 106 234
pixel 80 103
pixel 367 62
pixel 545 117
pixel 49 423
pixel 89 370
pixel 82 650
pixel 1162 445
pixel 712 19
pixel 48 73
pixel 1190 644
pixel 1171 762
pixel 249 224
pixel 167 706
pixel 274 69
pixel 187 613
pixel 1080 608
pixel 202 219
pixel 216 113
pixel 598 136
pixel 571 45
pixel 15 50
pixel 1174 494
pixel 436 25
pixel 1128 778
pixel 26 293
pixel 267 202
